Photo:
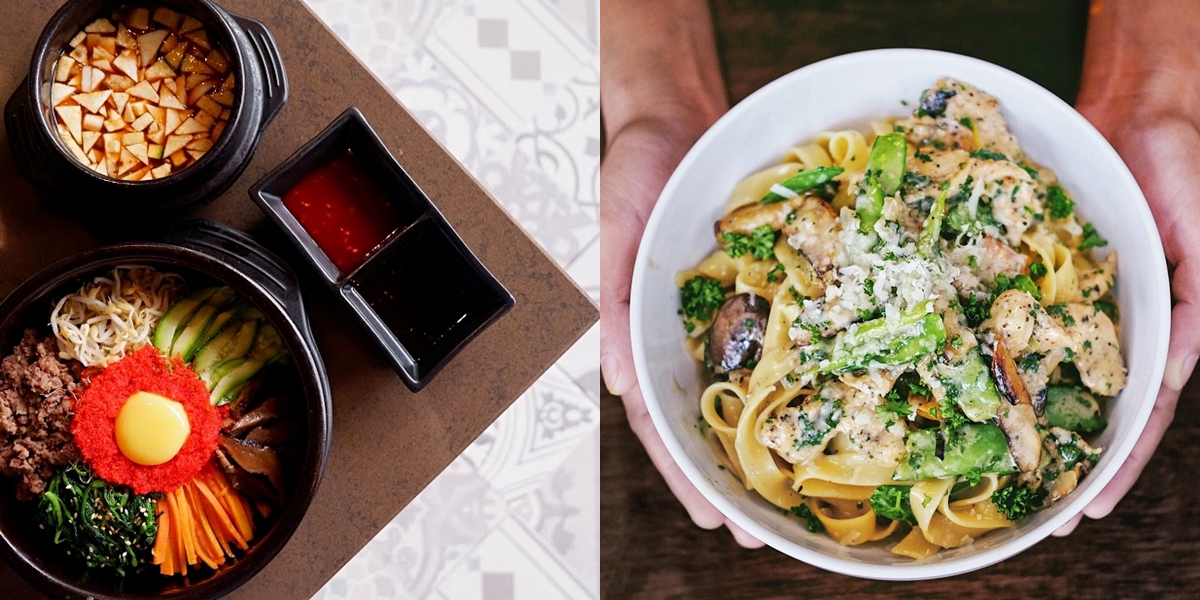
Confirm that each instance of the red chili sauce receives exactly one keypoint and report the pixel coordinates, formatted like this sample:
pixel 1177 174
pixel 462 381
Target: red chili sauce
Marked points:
pixel 344 209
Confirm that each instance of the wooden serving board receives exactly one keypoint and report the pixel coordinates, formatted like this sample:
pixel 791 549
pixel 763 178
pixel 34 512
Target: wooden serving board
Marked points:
pixel 388 443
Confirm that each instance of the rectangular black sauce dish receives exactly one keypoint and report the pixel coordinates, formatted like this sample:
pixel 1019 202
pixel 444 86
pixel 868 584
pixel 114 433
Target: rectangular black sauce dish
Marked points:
pixel 382 247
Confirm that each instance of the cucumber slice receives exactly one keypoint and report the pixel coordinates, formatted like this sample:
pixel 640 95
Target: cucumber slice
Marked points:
pixel 185 344
pixel 217 375
pixel 268 348
pixel 217 327
pixel 234 342
pixel 225 390
pixel 177 316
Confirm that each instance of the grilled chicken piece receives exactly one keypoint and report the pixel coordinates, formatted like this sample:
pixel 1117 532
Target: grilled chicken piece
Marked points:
pixel 1012 191
pixel 949 106
pixel 1028 331
pixel 814 232
pixel 1016 417
pixel 992 257
pixel 1095 283
pixel 1066 459
pixel 1098 351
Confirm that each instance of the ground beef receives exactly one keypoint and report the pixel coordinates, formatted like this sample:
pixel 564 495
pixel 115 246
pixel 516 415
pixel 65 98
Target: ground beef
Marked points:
pixel 36 397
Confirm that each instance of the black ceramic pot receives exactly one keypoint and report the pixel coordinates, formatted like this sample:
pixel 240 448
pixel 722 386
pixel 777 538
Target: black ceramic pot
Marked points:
pixel 74 191
pixel 202 252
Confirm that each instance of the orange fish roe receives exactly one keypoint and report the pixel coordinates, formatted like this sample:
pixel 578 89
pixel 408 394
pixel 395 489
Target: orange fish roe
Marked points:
pixel 96 415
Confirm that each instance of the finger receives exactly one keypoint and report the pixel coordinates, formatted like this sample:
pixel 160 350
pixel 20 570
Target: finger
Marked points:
pixel 1181 360
pixel 743 539
pixel 1070 526
pixel 702 512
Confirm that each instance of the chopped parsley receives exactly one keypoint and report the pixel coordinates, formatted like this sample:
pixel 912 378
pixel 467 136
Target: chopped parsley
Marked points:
pixel 1037 269
pixel 1032 171
pixel 915 180
pixel 985 154
pixel 700 297
pixel 892 502
pixel 1020 282
pixel 814 524
pixel 1030 361
pixel 939 144
pixel 796 295
pixel 1060 310
pixel 973 476
pixel 760 243
pixel 921 156
pixel 1016 501
pixel 1091 239
pixel 952 418
pixel 976 310
pixel 808 435
pixel 972 261
pixel 869 287
pixel 776 274
pixel 967 122
pixel 1107 308
pixel 1058 203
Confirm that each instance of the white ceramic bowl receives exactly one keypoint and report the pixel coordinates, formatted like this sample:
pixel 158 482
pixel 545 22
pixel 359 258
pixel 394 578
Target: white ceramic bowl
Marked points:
pixel 849 91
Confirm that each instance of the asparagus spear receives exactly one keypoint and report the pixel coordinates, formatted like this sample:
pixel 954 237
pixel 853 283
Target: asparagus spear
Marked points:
pixel 803 181
pixel 885 169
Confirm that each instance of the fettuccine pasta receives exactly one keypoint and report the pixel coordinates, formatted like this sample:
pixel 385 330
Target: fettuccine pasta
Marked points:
pixel 908 333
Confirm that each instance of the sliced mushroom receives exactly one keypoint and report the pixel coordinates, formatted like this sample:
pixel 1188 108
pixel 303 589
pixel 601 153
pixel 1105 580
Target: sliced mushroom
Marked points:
pixel 934 101
pixel 735 340
pixel 1017 417
pixel 247 483
pixel 273 408
pixel 254 458
pixel 274 434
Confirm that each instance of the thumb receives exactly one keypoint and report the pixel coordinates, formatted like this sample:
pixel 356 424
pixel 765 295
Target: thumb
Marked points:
pixel 1181 360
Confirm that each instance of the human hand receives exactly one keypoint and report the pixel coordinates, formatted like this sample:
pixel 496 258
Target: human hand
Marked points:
pixel 640 159
pixel 1141 105
pixel 660 90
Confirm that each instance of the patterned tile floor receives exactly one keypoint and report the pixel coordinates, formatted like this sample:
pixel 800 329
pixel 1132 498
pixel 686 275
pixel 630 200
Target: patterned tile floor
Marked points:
pixel 511 88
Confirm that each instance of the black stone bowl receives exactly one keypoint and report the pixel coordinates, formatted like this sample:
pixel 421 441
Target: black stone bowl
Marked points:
pixel 74 191
pixel 202 252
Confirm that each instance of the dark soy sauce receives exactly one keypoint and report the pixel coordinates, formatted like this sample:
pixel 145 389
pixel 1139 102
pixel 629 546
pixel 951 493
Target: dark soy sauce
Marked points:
pixel 424 291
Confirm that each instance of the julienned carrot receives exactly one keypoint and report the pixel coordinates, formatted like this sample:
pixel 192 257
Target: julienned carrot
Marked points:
pixel 189 542
pixel 217 515
pixel 234 507
pixel 162 549
pixel 204 533
pixel 231 501
pixel 212 527
pixel 177 546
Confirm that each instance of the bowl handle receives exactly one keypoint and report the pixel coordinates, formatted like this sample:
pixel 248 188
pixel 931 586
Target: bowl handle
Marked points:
pixel 241 252
pixel 25 150
pixel 275 82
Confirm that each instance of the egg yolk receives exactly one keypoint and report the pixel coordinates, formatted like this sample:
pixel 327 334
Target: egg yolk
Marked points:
pixel 151 429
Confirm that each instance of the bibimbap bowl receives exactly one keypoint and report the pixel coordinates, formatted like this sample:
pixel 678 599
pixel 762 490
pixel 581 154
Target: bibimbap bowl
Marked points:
pixel 74 190
pixel 204 254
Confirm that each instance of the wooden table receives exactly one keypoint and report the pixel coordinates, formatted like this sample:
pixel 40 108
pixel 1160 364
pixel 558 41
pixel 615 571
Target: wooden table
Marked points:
pixel 1147 548
pixel 387 443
